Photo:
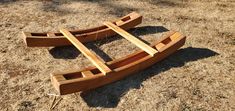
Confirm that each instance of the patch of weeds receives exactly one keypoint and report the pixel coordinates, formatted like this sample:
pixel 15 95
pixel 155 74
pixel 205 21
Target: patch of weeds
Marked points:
pixel 3 50
pixel 228 36
pixel 169 94
pixel 26 106
pixel 168 3
pixel 218 62
pixel 185 107
pixel 173 94
pixel 200 109
pixel 225 34
pixel 197 92
pixel 223 5
pixel 220 96
pixel 182 18
pixel 233 41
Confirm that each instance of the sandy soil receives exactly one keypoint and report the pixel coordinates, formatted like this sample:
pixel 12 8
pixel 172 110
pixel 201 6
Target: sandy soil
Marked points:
pixel 200 76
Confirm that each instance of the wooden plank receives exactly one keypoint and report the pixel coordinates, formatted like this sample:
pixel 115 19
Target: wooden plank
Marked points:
pixel 27 34
pixel 151 51
pixel 93 58
pixel 87 35
pixel 51 34
pixel 87 73
pixel 159 46
pixel 59 77
pixel 125 66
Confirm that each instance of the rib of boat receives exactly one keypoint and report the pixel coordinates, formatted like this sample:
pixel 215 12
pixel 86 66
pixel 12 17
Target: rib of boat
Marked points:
pixel 107 72
pixel 57 39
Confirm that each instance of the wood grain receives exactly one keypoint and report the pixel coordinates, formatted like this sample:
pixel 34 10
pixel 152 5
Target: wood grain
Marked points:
pixel 151 51
pixel 90 78
pixel 92 57
pixel 87 73
pixel 48 39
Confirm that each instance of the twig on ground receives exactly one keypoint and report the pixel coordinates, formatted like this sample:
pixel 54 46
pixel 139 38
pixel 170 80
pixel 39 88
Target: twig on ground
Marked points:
pixel 53 102
pixel 56 103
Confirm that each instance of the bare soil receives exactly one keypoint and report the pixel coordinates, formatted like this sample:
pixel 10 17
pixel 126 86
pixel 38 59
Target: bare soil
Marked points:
pixel 200 76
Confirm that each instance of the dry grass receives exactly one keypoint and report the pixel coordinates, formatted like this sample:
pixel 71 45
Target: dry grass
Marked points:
pixel 200 76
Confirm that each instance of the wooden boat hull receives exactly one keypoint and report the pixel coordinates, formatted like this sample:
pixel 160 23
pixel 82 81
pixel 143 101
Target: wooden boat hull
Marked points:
pixel 88 35
pixel 74 81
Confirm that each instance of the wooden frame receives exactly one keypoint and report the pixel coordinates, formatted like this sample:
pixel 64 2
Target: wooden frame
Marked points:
pixel 57 39
pixel 151 51
pixel 104 73
pixel 93 58
pixel 92 77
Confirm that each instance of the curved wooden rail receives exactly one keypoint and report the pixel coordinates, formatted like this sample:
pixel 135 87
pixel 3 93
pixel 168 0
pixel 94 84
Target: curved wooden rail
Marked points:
pixel 89 78
pixel 57 38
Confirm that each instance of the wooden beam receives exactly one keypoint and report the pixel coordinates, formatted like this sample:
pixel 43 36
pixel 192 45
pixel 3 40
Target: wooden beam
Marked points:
pixel 93 58
pixel 151 51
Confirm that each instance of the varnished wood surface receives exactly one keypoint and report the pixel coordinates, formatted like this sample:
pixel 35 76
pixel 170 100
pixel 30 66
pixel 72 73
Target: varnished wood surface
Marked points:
pixel 54 39
pixel 74 81
pixel 151 51
pixel 92 57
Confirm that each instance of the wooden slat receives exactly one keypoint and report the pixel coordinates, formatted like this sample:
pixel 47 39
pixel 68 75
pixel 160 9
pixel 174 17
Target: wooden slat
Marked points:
pixel 87 73
pixel 51 34
pixel 93 58
pixel 159 46
pixel 59 77
pixel 27 34
pixel 151 51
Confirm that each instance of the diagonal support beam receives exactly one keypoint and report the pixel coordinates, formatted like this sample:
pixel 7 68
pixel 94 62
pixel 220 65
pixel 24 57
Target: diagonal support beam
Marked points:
pixel 92 57
pixel 151 51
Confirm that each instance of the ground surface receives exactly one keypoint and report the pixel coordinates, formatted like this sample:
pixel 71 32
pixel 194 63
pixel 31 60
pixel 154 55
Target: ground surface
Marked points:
pixel 200 76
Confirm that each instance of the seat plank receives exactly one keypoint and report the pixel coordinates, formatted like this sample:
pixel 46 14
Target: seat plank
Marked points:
pixel 92 57
pixel 151 51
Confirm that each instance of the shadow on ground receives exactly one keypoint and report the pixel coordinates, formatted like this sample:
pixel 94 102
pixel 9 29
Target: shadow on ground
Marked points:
pixel 109 95
pixel 70 52
pixel 113 8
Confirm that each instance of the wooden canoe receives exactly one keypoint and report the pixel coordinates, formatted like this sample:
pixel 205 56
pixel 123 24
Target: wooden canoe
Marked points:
pixel 92 77
pixel 57 39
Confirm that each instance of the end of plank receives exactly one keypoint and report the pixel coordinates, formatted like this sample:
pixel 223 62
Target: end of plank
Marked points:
pixel 25 36
pixel 85 51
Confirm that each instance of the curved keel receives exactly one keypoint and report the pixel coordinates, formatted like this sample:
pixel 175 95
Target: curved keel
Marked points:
pixel 90 78
pixel 57 39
